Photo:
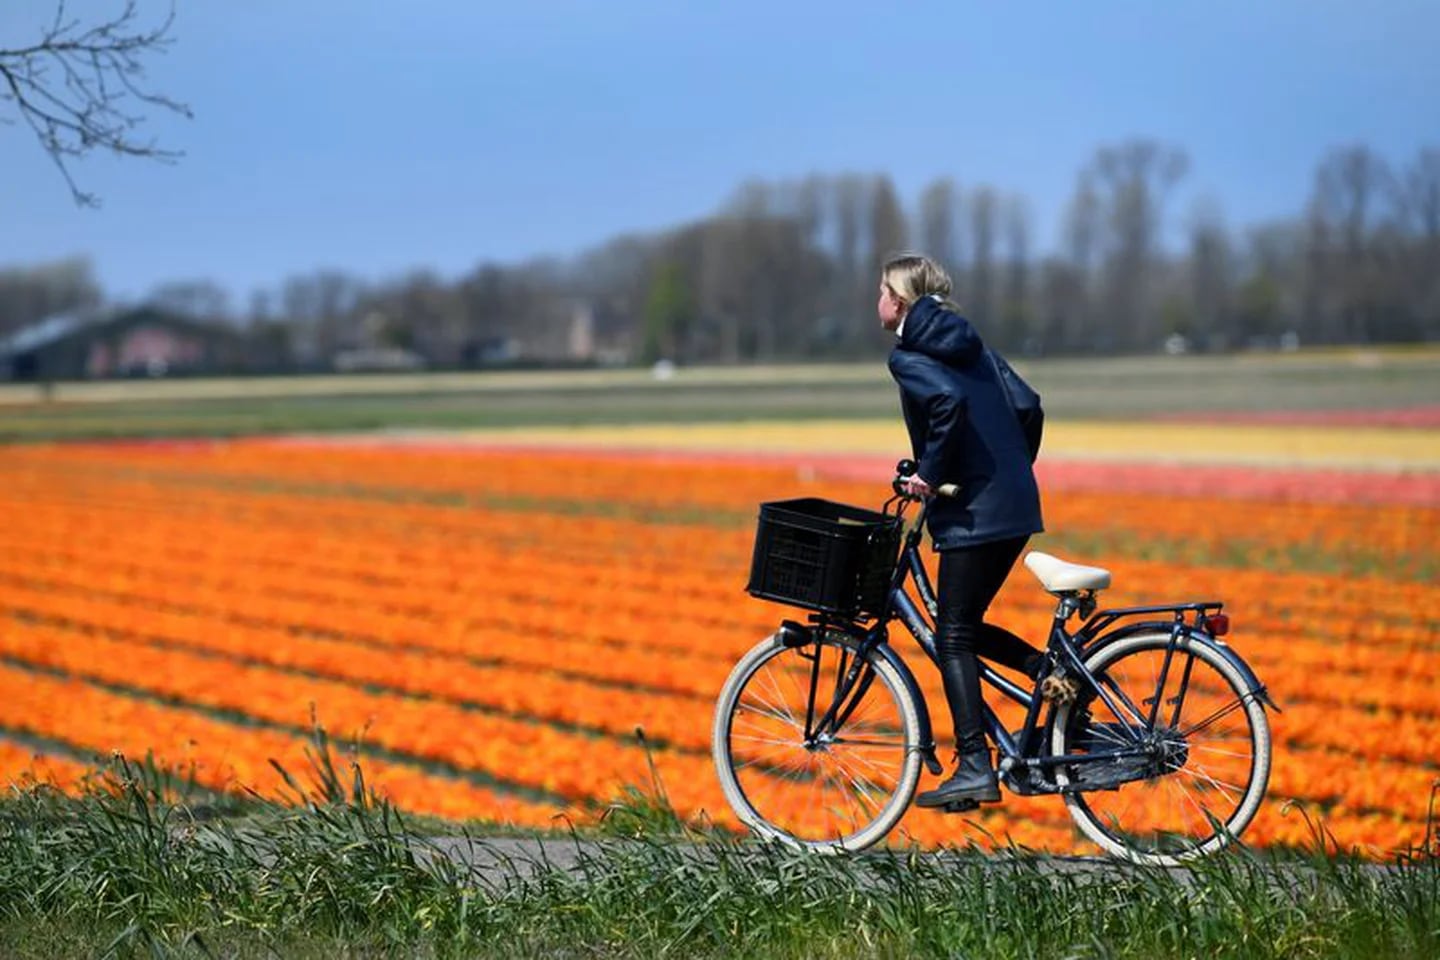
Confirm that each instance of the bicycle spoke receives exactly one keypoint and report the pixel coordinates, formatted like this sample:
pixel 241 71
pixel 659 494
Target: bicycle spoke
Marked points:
pixel 863 789
pixel 870 744
pixel 863 785
pixel 1214 717
pixel 774 707
pixel 1137 717
pixel 1204 783
pixel 1233 754
pixel 846 779
pixel 767 757
pixel 785 705
pixel 1231 789
pixel 1109 739
pixel 774 713
pixel 1204 815
pixel 769 740
pixel 860 716
pixel 860 794
pixel 863 759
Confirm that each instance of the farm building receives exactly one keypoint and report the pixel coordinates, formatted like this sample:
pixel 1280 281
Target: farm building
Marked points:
pixel 144 341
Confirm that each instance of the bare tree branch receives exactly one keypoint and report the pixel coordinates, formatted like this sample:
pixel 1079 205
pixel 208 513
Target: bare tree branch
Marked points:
pixel 80 88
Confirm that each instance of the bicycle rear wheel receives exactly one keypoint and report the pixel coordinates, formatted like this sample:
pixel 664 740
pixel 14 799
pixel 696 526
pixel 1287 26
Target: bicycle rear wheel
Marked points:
pixel 1192 780
pixel 833 790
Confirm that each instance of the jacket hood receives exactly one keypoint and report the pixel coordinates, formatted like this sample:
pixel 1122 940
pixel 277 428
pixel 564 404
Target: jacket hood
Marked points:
pixel 936 331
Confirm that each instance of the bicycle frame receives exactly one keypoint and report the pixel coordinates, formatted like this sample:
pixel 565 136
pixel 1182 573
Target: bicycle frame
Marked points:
pixel 1021 754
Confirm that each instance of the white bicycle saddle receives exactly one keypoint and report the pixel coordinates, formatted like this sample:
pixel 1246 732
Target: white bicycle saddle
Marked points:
pixel 1059 576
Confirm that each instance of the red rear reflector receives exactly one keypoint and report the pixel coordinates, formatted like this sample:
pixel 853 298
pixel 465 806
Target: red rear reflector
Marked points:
pixel 1218 624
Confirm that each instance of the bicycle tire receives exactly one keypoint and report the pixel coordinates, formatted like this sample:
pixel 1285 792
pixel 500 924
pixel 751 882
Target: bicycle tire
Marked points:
pixel 1208 771
pixel 838 796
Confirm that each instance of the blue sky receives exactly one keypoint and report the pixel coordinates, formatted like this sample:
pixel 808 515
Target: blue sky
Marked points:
pixel 379 137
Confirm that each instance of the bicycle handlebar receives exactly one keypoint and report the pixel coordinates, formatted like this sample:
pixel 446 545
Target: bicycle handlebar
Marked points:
pixel 906 469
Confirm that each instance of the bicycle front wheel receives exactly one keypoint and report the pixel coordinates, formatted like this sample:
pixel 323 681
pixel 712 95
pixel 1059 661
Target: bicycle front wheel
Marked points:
pixel 832 787
pixel 1182 786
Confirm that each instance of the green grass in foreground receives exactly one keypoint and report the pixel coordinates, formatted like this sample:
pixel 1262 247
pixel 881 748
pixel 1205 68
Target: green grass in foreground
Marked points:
pixel 128 870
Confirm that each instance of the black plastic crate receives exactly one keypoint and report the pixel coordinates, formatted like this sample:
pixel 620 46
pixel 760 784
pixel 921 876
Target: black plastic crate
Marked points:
pixel 823 555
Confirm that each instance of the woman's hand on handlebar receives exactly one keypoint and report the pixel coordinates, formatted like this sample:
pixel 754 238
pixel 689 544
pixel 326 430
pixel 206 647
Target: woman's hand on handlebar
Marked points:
pixel 914 486
pixel 908 483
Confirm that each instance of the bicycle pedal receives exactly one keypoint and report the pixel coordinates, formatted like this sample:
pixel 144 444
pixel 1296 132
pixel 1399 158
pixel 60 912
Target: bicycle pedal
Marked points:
pixel 1059 690
pixel 961 806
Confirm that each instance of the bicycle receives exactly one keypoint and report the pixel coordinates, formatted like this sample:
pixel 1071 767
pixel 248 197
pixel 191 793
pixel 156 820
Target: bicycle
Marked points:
pixel 1162 754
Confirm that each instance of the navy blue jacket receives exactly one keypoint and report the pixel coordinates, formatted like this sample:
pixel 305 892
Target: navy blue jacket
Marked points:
pixel 963 431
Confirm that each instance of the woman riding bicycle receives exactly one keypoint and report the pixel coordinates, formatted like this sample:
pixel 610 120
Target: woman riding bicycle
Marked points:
pixel 964 432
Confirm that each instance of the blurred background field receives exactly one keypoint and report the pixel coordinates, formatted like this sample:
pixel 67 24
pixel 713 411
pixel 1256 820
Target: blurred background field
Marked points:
pixel 427 387
pixel 1382 383
pixel 487 582
pixel 489 626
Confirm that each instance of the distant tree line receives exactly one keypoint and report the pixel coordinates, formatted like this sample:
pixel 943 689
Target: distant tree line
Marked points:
pixel 787 270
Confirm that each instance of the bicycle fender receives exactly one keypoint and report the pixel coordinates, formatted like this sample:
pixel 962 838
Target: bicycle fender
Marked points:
pixel 1253 686
pixel 798 634
pixel 922 709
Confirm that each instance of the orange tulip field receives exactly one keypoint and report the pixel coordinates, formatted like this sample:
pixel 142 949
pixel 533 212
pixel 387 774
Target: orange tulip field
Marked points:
pixel 491 623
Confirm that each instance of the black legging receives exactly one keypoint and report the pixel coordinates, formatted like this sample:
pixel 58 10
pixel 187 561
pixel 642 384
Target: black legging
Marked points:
pixel 969 579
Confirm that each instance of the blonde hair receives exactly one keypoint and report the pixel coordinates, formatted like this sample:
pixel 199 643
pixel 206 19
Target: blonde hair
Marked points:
pixel 911 276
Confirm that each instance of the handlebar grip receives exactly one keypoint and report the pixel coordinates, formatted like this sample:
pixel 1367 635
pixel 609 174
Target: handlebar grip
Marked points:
pixel 948 489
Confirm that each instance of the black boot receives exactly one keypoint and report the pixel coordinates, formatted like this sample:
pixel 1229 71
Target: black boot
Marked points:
pixel 974 780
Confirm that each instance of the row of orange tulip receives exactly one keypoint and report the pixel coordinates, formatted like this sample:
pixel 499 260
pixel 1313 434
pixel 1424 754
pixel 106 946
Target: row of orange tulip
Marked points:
pixel 439 526
pixel 527 754
pixel 1411 669
pixel 398 577
pixel 222 755
pixel 1011 823
pixel 24 766
pixel 434 549
pixel 431 534
pixel 1193 517
pixel 225 755
pixel 429 530
pixel 1404 710
pixel 530 689
pixel 608 476
pixel 1379 528
pixel 1389 677
pixel 1307 730
pixel 470 640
